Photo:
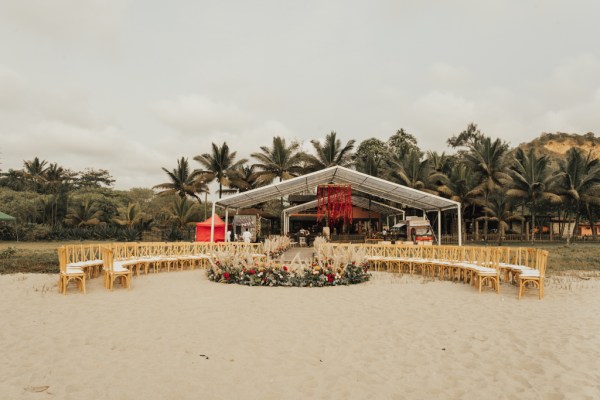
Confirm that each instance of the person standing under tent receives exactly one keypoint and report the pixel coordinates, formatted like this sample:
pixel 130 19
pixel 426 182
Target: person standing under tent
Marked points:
pixel 247 236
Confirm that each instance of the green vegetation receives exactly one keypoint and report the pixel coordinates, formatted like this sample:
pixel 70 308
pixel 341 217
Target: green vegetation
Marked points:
pixel 496 185
pixel 28 260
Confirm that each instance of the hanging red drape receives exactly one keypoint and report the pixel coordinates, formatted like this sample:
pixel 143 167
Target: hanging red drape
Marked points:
pixel 334 202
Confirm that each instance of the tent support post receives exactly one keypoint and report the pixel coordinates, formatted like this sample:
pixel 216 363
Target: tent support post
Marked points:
pixel 439 226
pixel 226 224
pixel 459 226
pixel 212 225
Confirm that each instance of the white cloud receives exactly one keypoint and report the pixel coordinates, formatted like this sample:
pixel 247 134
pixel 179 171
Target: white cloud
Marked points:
pixel 66 19
pixel 194 114
pixel 445 74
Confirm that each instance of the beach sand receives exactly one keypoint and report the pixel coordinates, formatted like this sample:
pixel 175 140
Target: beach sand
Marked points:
pixel 179 336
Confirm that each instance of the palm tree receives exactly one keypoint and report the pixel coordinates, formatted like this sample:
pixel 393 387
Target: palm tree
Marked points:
pixel 219 164
pixel 330 153
pixel 83 214
pixel 499 209
pixel 35 170
pixel 129 216
pixel 13 179
pixel 183 213
pixel 439 162
pixel 532 181
pixel 279 161
pixel 458 186
pixel 243 178
pixel 413 172
pixel 183 182
pixel 57 181
pixel 579 181
pixel 487 159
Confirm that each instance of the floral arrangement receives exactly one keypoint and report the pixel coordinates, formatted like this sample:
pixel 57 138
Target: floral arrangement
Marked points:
pixel 275 246
pixel 274 275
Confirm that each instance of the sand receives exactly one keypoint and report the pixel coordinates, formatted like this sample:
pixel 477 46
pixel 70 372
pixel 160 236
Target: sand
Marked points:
pixel 179 336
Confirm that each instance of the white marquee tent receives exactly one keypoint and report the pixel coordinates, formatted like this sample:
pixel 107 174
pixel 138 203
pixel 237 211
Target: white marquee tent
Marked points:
pixel 359 181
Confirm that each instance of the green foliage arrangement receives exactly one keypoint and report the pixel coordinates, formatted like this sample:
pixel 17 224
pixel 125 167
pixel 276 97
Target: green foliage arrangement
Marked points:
pixel 270 275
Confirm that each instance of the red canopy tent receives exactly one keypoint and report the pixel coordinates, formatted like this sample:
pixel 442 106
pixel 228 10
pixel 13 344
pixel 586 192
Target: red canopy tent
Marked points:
pixel 203 230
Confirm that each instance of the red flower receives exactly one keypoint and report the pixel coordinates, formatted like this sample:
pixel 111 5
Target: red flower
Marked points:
pixel 252 271
pixel 285 268
pixel 330 278
pixel 226 275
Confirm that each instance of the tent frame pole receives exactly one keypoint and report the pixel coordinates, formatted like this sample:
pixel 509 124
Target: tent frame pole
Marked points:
pixel 212 225
pixel 226 224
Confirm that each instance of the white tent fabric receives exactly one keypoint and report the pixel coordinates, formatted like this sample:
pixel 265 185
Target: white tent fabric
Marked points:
pixel 340 175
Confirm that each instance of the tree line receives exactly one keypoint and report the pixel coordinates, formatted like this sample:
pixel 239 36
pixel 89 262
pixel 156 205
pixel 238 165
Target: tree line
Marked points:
pixel 493 182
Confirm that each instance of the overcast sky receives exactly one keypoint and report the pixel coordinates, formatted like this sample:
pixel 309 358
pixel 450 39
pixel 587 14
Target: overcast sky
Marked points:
pixel 131 86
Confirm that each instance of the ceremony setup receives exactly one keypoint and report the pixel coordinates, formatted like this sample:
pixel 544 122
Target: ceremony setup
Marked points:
pixel 329 263
pixel 330 200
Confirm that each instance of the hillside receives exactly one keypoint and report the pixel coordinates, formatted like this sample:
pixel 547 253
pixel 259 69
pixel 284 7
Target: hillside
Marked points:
pixel 557 144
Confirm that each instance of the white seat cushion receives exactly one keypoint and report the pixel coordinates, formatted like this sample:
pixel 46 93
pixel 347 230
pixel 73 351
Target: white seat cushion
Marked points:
pixel 532 273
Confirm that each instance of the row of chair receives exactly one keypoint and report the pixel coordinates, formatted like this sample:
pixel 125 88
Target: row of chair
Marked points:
pixel 120 261
pixel 475 264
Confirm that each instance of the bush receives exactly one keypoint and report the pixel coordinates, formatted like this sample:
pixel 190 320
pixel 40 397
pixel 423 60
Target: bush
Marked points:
pixel 33 232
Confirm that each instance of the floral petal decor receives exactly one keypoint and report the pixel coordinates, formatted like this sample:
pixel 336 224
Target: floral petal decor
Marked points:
pixel 312 276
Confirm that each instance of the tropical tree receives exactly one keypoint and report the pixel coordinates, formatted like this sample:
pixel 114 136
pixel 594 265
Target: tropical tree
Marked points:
pixel 330 153
pixel 183 213
pixel 184 182
pixel 243 178
pixel 402 142
pixel 467 138
pixel 57 183
pixel 487 159
pixel 439 162
pixel 413 172
pixel 94 178
pixel 459 186
pixel 83 214
pixel 35 172
pixel 579 181
pixel 279 161
pixel 219 164
pixel 13 179
pixel 499 208
pixel 129 216
pixel 532 182
pixel 371 156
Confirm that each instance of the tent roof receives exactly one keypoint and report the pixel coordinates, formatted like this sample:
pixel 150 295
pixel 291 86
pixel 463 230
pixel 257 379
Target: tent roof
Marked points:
pixel 6 217
pixel 208 222
pixel 380 208
pixel 340 175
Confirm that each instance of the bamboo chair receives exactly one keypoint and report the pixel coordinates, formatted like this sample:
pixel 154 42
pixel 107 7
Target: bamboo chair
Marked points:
pixel 115 271
pixel 85 257
pixel 445 256
pixel 488 271
pixel 534 277
pixel 68 274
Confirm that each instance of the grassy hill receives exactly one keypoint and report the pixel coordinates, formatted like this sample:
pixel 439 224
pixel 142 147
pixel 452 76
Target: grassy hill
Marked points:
pixel 557 144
